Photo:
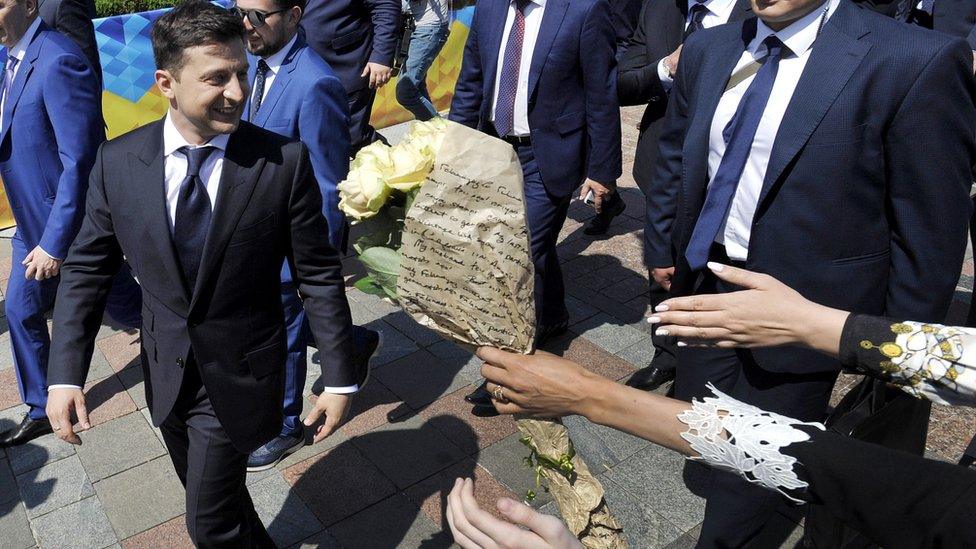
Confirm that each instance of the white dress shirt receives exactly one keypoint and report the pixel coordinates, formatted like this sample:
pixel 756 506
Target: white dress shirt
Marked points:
pixel 799 38
pixel 718 13
pixel 533 21
pixel 274 62
pixel 174 171
pixel 18 51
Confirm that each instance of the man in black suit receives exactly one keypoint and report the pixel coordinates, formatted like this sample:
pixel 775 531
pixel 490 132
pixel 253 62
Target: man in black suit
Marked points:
pixel 645 77
pixel 73 18
pixel 831 148
pixel 213 335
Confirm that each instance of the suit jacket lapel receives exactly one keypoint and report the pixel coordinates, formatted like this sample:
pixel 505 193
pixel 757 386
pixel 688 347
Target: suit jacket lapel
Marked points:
pixel 552 19
pixel 23 74
pixel 836 54
pixel 281 81
pixel 238 177
pixel 147 168
pixel 496 26
pixel 252 71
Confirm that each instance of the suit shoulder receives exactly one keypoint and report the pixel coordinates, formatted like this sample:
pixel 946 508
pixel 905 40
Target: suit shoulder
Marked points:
pixel 56 45
pixel 264 141
pixel 897 39
pixel 131 141
pixel 312 67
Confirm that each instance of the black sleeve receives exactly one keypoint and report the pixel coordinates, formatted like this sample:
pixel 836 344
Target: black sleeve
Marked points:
pixel 637 79
pixel 74 20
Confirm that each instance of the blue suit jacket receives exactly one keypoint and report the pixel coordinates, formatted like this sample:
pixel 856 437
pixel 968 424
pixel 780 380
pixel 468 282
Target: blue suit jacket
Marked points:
pixel 52 127
pixel 306 102
pixel 574 116
pixel 865 203
pixel 350 33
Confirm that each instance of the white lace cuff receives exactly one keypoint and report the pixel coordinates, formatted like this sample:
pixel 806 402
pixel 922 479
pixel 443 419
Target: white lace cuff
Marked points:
pixel 752 447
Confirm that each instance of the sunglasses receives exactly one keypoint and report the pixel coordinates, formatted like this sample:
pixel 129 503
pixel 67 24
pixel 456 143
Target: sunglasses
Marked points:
pixel 257 18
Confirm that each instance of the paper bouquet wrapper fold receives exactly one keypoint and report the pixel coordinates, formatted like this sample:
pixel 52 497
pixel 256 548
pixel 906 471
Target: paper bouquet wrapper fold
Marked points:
pixel 466 273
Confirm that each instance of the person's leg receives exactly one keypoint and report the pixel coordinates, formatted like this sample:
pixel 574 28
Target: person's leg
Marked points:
pixel 411 89
pixel 360 109
pixel 26 303
pixel 545 215
pixel 124 302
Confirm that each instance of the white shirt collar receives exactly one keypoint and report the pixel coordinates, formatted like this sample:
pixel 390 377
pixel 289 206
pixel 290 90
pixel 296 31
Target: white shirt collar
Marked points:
pixel 721 8
pixel 20 48
pixel 540 3
pixel 275 60
pixel 799 35
pixel 173 140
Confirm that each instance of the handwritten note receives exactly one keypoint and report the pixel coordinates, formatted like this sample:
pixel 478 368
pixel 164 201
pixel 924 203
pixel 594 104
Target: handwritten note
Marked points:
pixel 465 270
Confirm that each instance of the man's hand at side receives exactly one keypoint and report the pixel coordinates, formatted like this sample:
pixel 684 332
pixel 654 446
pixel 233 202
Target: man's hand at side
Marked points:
pixel 378 75
pixel 61 404
pixel 333 407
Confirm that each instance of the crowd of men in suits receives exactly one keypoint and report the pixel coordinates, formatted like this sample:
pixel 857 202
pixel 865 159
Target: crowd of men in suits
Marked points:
pixel 814 140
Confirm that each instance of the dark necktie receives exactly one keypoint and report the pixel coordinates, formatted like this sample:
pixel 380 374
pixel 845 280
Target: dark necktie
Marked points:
pixel 193 211
pixel 698 13
pixel 259 77
pixel 739 134
pixel 508 80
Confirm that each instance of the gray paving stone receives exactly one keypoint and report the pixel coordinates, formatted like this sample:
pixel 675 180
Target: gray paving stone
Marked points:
pixel 118 445
pixel 640 354
pixel 419 378
pixel 361 314
pixel 15 528
pixel 654 476
pixel 393 522
pixel 579 310
pixel 505 461
pixel 395 345
pixel 81 525
pixel 53 486
pixel 285 515
pixel 608 333
pixel 422 335
pixel 458 359
pixel 601 447
pixel 132 380
pixel 100 368
pixel 6 353
pixel 142 497
pixel 37 453
pixel 8 484
pixel 408 451
pixel 643 527
pixel 148 417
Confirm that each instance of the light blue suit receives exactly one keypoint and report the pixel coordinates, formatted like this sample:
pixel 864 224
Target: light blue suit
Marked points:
pixel 306 101
pixel 52 127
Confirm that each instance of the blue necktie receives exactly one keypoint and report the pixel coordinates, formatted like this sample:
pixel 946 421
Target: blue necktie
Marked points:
pixel 508 80
pixel 193 212
pixel 697 23
pixel 738 134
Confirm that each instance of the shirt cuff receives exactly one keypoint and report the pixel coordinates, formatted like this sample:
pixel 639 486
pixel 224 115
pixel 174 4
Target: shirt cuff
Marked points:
pixel 348 389
pixel 51 256
pixel 63 386
pixel 664 74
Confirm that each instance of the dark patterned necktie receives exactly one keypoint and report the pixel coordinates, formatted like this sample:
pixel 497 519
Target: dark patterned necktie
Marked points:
pixel 739 134
pixel 698 13
pixel 258 97
pixel 508 80
pixel 193 212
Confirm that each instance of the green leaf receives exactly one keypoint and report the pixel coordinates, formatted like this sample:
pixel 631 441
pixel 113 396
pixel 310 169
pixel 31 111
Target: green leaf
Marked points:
pixel 368 286
pixel 384 229
pixel 383 266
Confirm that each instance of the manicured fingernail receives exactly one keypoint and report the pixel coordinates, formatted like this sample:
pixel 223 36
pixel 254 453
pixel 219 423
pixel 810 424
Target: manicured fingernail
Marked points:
pixel 682 344
pixel 717 267
pixel 663 333
pixel 662 308
pixel 654 319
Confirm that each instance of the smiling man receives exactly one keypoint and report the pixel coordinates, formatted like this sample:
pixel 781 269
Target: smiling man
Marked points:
pixel 206 208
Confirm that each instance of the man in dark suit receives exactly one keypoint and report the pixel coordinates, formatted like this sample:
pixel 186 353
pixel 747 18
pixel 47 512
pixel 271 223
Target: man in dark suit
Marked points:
pixel 791 147
pixel 357 38
pixel 541 75
pixel 645 77
pixel 213 339
pixel 73 18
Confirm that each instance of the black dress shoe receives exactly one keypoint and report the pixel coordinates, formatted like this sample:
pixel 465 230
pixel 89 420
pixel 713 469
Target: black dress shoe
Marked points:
pixel 600 223
pixel 650 378
pixel 365 342
pixel 28 430
pixel 549 331
pixel 480 396
pixel 484 411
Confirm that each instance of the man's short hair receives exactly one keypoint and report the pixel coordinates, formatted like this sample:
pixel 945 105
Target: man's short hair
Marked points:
pixel 289 4
pixel 189 24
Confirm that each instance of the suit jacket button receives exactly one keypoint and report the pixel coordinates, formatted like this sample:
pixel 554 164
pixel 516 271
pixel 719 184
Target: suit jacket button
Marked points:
pixel 179 361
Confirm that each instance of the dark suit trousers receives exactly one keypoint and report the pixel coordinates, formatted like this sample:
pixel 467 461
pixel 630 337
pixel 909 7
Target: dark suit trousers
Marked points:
pixel 739 513
pixel 360 108
pixel 545 215
pixel 219 511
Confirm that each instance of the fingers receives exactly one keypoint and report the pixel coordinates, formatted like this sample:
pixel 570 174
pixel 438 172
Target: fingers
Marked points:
pixel 28 259
pixel 62 420
pixel 739 277
pixel 460 518
pixel 365 71
pixel 708 302
pixel 496 375
pixel 31 271
pixel 520 513
pixel 688 334
pixel 327 428
pixel 82 412
pixel 313 415
pixel 598 202
pixel 501 359
pixel 459 538
pixel 690 319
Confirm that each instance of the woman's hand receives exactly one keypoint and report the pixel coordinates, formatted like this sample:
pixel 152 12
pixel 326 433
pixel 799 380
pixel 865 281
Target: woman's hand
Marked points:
pixel 766 313
pixel 474 528
pixel 539 385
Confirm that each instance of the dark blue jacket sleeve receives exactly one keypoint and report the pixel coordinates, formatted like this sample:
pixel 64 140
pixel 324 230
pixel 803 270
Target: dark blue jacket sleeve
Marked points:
pixel 73 99
pixel 466 105
pixel 637 78
pixel 598 59
pixel 385 15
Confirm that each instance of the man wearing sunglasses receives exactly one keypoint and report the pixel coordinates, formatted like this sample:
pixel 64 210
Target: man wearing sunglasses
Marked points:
pixel 296 94
pixel 358 39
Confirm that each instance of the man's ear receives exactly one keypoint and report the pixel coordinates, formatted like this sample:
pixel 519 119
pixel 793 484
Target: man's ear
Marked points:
pixel 165 81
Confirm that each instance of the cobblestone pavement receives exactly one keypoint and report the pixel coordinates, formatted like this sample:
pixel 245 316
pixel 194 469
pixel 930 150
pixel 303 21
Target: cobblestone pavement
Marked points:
pixel 381 481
